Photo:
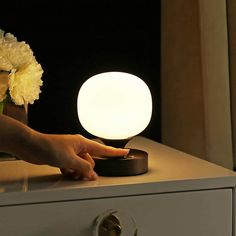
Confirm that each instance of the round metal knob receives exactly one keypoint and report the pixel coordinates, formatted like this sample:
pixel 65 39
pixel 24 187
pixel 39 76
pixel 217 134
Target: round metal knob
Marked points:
pixel 110 226
pixel 114 223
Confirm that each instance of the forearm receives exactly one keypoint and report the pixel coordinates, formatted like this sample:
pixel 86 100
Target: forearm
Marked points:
pixel 26 143
pixel 14 136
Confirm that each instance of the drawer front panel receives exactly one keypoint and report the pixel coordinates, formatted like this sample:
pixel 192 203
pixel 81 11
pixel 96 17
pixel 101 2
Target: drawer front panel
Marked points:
pixel 197 213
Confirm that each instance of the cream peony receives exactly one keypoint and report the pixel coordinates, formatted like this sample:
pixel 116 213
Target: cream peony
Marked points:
pixel 24 78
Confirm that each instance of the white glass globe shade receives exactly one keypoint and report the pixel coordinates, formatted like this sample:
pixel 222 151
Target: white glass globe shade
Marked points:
pixel 114 105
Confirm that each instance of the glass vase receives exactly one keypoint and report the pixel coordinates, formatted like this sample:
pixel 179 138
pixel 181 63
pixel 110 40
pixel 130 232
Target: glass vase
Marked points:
pixel 16 112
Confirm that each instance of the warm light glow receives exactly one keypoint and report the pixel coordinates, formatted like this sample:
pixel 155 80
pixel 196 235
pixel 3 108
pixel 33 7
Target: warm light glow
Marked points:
pixel 114 105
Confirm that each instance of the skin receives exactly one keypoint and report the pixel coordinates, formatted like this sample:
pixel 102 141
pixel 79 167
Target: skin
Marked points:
pixel 71 153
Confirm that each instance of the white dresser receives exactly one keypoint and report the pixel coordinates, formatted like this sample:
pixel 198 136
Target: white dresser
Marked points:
pixel 181 195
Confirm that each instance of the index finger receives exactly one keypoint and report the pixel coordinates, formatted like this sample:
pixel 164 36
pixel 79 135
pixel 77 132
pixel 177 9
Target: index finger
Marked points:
pixel 99 149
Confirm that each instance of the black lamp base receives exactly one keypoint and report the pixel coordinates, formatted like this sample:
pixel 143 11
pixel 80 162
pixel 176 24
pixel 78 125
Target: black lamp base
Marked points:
pixel 135 163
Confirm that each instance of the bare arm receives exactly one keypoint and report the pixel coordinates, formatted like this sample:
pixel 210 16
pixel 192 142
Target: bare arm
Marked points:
pixel 70 153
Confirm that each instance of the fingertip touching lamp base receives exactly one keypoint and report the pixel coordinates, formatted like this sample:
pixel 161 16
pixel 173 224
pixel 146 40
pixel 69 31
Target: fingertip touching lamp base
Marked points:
pixel 135 163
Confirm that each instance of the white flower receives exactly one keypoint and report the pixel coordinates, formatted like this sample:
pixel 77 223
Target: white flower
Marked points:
pixel 25 72
pixel 5 65
pixel 23 87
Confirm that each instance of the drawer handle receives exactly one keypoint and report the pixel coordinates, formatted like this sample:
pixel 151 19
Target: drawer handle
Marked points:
pixel 109 224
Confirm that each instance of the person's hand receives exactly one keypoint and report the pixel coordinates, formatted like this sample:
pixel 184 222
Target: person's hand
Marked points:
pixel 71 153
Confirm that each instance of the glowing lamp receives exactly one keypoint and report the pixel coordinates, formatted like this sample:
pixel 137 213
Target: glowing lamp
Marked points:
pixel 116 106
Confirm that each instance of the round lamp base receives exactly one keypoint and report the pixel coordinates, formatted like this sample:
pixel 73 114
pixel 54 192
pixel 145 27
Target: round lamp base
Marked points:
pixel 135 163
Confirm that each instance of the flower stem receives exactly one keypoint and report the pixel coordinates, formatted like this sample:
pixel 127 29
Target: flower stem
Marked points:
pixel 1 107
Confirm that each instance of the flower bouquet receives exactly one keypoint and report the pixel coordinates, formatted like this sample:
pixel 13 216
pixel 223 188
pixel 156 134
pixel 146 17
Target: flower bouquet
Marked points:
pixel 20 73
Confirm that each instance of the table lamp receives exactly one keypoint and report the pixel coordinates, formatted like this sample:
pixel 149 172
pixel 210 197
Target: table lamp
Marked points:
pixel 115 107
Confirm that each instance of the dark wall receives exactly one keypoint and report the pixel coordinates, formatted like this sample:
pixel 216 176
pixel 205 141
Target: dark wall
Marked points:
pixel 73 42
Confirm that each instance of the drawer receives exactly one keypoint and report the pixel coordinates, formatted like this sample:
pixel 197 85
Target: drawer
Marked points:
pixel 196 213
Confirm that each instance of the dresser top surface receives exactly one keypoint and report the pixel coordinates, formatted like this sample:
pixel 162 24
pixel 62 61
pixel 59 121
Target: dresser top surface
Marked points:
pixel 170 170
